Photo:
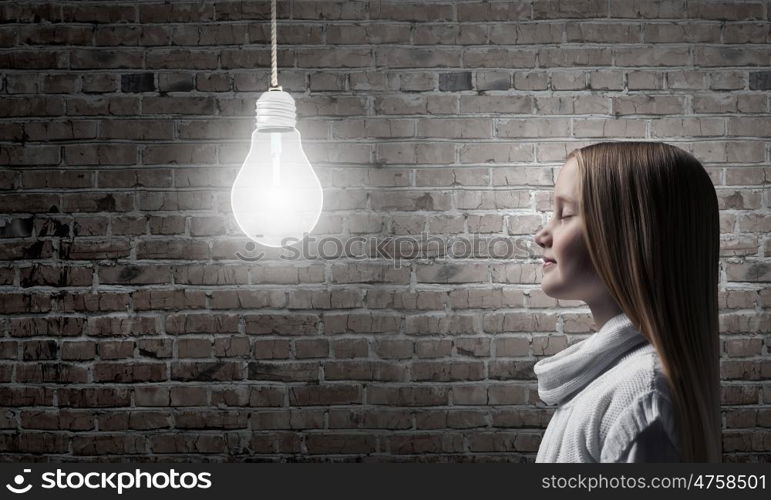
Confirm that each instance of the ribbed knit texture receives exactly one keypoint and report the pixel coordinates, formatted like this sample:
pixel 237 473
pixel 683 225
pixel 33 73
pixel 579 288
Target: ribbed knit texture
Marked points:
pixel 609 388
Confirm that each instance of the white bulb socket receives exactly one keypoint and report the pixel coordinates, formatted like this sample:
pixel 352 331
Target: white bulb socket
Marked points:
pixel 276 110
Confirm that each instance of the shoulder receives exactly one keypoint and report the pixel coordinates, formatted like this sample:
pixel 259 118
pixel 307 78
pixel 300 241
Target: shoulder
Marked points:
pixel 636 374
pixel 645 430
pixel 652 444
pixel 640 409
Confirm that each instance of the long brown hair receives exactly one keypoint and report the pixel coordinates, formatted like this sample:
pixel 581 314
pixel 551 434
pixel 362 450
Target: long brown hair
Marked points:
pixel 651 225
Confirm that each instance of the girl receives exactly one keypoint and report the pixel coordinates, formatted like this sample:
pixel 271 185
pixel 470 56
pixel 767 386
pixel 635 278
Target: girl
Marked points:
pixel 635 235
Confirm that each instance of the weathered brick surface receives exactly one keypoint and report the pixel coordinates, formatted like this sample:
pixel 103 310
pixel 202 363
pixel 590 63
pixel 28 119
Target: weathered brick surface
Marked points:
pixel 137 322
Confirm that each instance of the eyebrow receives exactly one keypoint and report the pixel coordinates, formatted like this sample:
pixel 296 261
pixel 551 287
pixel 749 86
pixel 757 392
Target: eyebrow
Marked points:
pixel 565 198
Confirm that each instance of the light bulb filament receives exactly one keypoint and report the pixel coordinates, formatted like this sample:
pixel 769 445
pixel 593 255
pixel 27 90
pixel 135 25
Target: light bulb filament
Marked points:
pixel 275 155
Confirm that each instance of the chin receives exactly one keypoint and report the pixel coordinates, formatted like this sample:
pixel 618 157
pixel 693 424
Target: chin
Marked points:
pixel 549 290
pixel 554 290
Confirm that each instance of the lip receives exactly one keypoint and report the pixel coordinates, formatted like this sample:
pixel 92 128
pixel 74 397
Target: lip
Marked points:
pixel 548 263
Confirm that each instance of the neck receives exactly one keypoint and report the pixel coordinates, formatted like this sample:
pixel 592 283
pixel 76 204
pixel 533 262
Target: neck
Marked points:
pixel 603 310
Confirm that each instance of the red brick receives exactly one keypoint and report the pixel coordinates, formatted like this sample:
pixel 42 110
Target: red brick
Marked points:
pixel 294 324
pixel 101 59
pixel 27 396
pixel 114 105
pixel 271 349
pixel 363 370
pixel 248 396
pixel 173 249
pixel 35 442
pixel 101 444
pixel 82 226
pixel 211 274
pixel 90 302
pixel 134 274
pixel 97 202
pixel 51 372
pixel 283 372
pixel 353 418
pixel 178 154
pixel 41 59
pixel 211 420
pixel 93 397
pixel 182 58
pixel 337 443
pixel 350 348
pixel 110 326
pixel 337 394
pixel 136 129
pixel 201 323
pixel 151 396
pixel 504 442
pixel 155 177
pixel 60 130
pixel 57 420
pixel 19 250
pixel 194 348
pixel 207 371
pixel 95 249
pixel 433 348
pixel 155 348
pixel 118 349
pixel 88 14
pixel 12 203
pixel 100 154
pixel 231 347
pixel 99 83
pixel 407 395
pixel 34 350
pixel 421 444
pixel 129 372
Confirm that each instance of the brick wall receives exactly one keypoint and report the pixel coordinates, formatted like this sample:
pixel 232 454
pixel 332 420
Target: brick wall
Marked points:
pixel 137 322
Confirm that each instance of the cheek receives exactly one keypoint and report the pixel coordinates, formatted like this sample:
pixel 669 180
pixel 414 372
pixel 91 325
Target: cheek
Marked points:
pixel 573 260
pixel 569 244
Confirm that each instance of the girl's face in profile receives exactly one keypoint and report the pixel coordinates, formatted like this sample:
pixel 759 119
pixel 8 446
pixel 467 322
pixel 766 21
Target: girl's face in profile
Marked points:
pixel 568 272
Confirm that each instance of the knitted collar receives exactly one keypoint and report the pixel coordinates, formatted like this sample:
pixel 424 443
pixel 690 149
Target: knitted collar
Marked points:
pixel 570 370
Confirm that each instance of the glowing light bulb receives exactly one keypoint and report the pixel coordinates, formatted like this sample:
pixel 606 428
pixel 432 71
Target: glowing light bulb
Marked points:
pixel 276 195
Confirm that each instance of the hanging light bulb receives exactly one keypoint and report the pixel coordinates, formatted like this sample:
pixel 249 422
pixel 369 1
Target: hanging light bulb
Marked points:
pixel 276 197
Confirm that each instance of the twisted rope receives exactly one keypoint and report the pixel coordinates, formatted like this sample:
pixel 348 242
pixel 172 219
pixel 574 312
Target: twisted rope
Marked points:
pixel 274 75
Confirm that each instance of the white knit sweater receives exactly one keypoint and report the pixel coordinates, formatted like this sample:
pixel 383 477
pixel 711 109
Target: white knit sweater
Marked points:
pixel 613 401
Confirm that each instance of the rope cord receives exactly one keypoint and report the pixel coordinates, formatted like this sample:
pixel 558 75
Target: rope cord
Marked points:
pixel 274 74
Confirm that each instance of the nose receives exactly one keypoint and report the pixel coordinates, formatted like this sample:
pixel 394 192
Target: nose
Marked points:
pixel 543 237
